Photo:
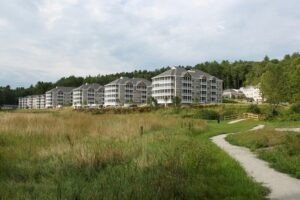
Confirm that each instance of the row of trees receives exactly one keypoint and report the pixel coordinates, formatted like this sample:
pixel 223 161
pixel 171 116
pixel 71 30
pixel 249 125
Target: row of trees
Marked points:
pixel 279 78
pixel 280 81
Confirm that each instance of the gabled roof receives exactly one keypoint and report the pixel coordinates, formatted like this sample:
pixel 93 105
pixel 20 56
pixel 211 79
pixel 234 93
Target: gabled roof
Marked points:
pixel 63 89
pixel 33 96
pixel 232 91
pixel 86 86
pixel 124 80
pixel 200 74
pixel 179 71
pixel 175 71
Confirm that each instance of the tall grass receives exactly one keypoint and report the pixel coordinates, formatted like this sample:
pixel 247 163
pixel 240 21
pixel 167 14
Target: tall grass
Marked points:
pixel 71 155
pixel 280 149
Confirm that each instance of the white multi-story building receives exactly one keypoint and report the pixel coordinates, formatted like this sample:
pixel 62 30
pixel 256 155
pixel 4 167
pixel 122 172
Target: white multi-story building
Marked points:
pixel 22 102
pixel 252 92
pixel 233 94
pixel 191 86
pixel 91 95
pixel 127 91
pixel 58 97
pixel 32 102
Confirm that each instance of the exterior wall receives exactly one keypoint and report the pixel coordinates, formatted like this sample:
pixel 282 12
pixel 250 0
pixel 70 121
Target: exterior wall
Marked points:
pixel 88 97
pixel 41 101
pixel 252 92
pixel 58 97
pixel 21 103
pixel 77 98
pixel 188 88
pixel 49 100
pixel 35 102
pixel 163 89
pixel 127 93
pixel 99 96
pixel 111 95
pixel 232 93
pixel 32 102
pixel 29 102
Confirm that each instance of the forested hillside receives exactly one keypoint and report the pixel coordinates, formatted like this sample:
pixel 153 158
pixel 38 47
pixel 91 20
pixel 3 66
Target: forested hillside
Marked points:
pixel 278 78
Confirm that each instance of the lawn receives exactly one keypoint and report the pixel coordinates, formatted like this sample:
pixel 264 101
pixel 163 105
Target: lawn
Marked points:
pixel 71 155
pixel 280 149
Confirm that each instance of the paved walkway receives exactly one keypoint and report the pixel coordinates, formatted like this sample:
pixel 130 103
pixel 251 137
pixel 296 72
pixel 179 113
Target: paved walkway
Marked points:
pixel 282 185
pixel 236 121
pixel 257 127
pixel 288 129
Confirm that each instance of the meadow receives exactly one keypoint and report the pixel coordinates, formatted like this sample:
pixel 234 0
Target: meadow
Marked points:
pixel 75 155
pixel 280 149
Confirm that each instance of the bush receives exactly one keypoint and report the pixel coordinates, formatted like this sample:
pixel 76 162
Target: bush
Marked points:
pixel 229 101
pixel 295 108
pixel 229 112
pixel 291 117
pixel 271 114
pixel 253 108
pixel 208 114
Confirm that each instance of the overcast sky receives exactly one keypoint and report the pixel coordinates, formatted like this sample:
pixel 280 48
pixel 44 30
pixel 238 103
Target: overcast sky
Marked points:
pixel 47 39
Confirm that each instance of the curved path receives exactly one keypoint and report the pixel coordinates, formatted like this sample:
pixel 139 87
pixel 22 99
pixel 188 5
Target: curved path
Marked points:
pixel 288 129
pixel 282 185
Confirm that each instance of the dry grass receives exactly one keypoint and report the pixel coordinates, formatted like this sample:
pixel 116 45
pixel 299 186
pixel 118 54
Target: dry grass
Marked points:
pixel 75 155
pixel 74 124
pixel 90 140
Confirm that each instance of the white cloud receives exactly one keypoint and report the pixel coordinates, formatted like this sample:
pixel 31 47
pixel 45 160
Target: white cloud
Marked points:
pixel 47 39
pixel 3 23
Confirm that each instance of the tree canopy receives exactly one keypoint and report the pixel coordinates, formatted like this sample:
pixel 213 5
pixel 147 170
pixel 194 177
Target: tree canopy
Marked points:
pixel 234 74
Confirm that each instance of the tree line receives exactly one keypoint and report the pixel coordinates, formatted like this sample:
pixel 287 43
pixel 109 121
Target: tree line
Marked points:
pixel 278 79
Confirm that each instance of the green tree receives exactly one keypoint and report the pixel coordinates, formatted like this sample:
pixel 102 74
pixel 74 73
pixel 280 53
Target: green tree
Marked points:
pixel 294 81
pixel 273 85
pixel 176 101
pixel 152 101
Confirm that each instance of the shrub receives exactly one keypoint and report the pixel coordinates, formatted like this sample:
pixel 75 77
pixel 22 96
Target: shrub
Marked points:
pixel 290 117
pixel 253 108
pixel 176 101
pixel 295 108
pixel 229 112
pixel 271 113
pixel 208 114
pixel 229 101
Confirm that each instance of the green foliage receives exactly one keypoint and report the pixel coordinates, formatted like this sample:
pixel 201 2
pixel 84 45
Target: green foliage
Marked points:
pixel 253 108
pixel 283 152
pixel 280 78
pixel 176 101
pixel 229 101
pixel 208 114
pixel 152 101
pixel 167 162
pixel 295 108
pixel 273 84
pixel 271 113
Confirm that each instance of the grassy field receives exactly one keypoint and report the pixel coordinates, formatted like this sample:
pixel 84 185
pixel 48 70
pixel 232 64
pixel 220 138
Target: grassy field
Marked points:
pixel 71 155
pixel 280 149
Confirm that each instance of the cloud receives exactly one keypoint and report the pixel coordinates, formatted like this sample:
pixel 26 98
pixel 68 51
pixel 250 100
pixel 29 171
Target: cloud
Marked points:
pixel 46 39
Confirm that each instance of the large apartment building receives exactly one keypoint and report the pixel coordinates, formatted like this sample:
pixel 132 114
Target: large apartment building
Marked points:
pixel 59 96
pixel 90 95
pixel 191 86
pixel 32 102
pixel 127 91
